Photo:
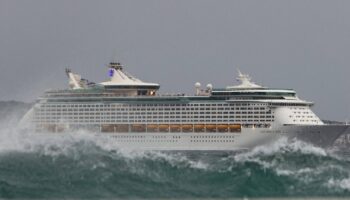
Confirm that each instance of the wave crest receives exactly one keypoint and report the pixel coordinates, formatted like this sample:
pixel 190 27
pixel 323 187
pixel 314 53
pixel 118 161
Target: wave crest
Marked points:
pixel 86 164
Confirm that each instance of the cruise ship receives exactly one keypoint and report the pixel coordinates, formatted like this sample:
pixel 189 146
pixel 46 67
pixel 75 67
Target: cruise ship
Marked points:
pixel 134 115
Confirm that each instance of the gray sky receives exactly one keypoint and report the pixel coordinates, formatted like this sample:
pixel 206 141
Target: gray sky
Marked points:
pixel 304 45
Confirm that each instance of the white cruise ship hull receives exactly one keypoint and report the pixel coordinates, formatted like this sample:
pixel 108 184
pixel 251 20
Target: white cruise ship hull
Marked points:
pixel 322 135
pixel 230 118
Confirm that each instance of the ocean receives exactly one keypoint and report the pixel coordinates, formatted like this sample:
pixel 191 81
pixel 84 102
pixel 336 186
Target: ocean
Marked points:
pixel 81 165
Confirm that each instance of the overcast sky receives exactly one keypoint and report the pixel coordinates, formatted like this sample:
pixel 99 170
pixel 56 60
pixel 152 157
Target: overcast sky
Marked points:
pixel 304 45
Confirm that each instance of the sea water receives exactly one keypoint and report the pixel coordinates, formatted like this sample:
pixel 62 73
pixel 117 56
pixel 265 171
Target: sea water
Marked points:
pixel 81 165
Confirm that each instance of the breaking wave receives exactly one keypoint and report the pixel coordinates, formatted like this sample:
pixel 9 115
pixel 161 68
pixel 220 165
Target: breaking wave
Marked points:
pixel 84 165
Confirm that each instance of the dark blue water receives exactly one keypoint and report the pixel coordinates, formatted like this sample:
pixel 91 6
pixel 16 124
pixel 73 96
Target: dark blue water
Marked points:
pixel 80 165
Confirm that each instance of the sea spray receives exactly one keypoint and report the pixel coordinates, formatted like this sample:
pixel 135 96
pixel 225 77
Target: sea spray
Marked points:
pixel 86 165
pixel 82 165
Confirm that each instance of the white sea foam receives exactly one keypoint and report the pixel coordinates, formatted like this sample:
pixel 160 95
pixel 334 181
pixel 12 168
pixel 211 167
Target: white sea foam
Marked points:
pixel 339 184
pixel 82 142
pixel 272 157
pixel 276 157
pixel 283 145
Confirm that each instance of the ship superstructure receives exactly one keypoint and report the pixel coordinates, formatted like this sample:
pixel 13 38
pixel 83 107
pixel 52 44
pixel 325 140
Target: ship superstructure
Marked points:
pixel 135 116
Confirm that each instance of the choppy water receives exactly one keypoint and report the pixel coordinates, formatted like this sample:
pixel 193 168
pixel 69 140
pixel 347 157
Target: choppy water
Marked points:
pixel 81 166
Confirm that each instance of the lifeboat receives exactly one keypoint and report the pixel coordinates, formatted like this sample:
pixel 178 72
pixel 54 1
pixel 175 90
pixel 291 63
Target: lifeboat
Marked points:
pixel 152 128
pixel 163 128
pixel 199 128
pixel 175 128
pixel 122 128
pixel 108 128
pixel 187 128
pixel 138 128
pixel 235 127
pixel 222 127
pixel 210 128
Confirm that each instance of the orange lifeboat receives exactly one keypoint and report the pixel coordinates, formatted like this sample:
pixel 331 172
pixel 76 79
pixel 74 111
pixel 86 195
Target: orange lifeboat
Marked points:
pixel 152 128
pixel 199 128
pixel 222 127
pixel 175 128
pixel 163 128
pixel 210 128
pixel 235 127
pixel 187 128
pixel 138 128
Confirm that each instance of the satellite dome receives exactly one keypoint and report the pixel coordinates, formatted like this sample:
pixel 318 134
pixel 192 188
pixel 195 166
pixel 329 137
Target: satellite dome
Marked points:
pixel 210 86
